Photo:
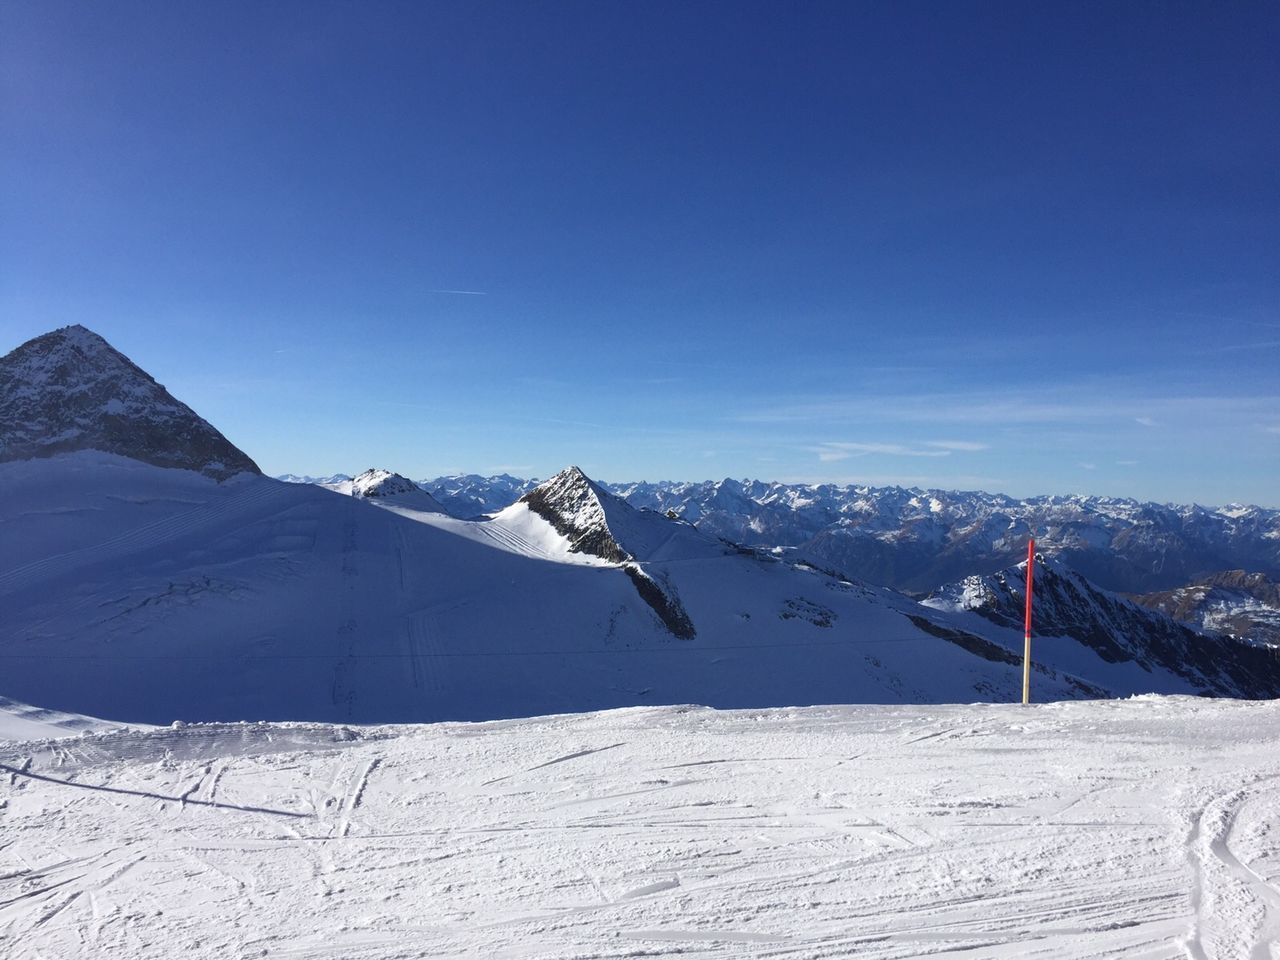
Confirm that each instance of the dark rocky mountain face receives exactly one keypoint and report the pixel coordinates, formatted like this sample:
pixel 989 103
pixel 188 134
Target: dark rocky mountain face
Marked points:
pixel 70 390
pixel 1118 630
pixel 579 510
pixel 1231 602
pixel 574 505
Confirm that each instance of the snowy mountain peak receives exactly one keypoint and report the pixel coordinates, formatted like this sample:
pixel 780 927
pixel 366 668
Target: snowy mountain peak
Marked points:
pixel 601 524
pixel 70 390
pixel 82 338
pixel 386 489
pixel 576 506
pixel 381 483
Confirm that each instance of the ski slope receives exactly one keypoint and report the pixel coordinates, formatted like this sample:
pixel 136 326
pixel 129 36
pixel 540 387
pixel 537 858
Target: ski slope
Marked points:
pixel 151 595
pixel 1143 828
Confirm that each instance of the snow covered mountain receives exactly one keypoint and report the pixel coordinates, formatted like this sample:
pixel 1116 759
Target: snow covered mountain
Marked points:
pixel 139 592
pixel 464 495
pixel 1067 607
pixel 597 523
pixel 387 489
pixel 148 594
pixel 71 390
pixel 323 481
pixel 1231 602
pixel 470 495
pixel 918 540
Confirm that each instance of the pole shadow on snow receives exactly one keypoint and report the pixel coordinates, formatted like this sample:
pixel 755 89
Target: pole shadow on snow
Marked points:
pixel 14 771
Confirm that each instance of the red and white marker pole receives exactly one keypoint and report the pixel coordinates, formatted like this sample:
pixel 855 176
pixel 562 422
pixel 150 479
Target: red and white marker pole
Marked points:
pixel 1026 650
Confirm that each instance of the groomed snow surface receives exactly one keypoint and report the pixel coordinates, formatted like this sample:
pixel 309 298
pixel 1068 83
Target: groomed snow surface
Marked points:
pixel 1141 828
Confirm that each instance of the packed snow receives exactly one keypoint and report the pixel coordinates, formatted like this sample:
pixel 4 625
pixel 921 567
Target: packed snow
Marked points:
pixel 1143 828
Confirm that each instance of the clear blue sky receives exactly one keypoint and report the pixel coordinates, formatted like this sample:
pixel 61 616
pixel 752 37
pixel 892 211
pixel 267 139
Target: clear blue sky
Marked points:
pixel 1023 247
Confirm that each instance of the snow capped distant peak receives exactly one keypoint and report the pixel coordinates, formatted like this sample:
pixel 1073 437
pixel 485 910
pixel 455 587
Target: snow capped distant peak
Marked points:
pixel 387 489
pixel 381 483
pixel 70 390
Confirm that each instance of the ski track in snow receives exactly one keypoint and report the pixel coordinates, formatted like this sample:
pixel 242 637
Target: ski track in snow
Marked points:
pixel 1144 828
pixel 1248 923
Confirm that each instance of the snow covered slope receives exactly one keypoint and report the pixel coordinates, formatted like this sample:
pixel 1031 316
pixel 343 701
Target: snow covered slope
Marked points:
pixel 21 721
pixel 323 481
pixel 1142 829
pixel 149 594
pixel 1071 615
pixel 70 390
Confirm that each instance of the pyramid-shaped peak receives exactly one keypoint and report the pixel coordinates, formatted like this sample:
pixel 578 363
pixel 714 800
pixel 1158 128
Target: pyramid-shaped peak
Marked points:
pixel 65 344
pixel 70 390
pixel 77 335
pixel 573 504
pixel 571 474
pixel 569 486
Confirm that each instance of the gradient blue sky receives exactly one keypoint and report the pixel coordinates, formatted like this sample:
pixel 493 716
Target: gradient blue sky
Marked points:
pixel 1023 247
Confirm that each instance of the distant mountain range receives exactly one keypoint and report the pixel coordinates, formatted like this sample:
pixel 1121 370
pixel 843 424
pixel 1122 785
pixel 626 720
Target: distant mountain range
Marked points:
pixel 149 572
pixel 919 540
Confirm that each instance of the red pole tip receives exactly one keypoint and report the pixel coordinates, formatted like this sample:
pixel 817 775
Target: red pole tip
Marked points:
pixel 1031 567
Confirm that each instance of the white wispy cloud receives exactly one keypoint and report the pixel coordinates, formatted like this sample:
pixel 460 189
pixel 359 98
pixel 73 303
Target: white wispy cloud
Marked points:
pixel 1145 421
pixel 462 293
pixel 935 481
pixel 960 446
pixel 1240 347
pixel 835 450
pixel 1097 404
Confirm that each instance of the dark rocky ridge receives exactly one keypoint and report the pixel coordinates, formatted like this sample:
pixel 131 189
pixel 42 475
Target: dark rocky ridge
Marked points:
pixel 573 504
pixel 70 390
pixel 1119 630
pixel 981 647
pixel 1232 602
pixel 578 510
